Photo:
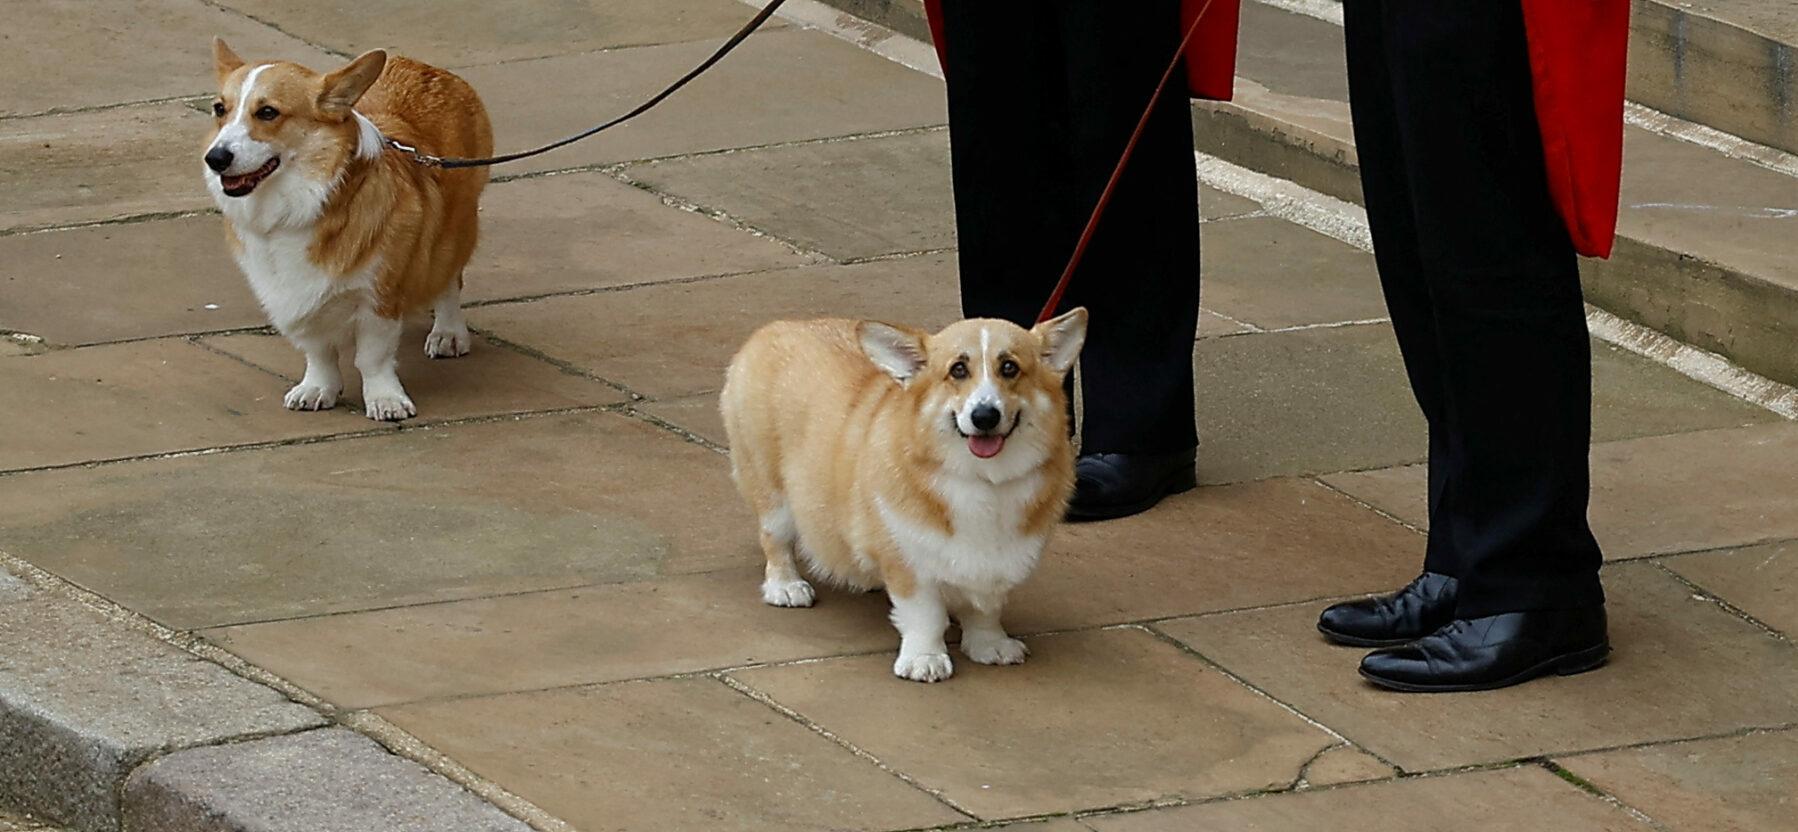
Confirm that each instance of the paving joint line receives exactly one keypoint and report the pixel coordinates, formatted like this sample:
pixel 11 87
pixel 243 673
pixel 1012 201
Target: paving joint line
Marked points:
pixel 337 53
pixel 561 364
pixel 1593 790
pixel 1702 594
pixel 718 215
pixel 1232 675
pixel 645 284
pixel 789 713
pixel 405 744
pixel 602 167
pixel 127 219
pixel 100 108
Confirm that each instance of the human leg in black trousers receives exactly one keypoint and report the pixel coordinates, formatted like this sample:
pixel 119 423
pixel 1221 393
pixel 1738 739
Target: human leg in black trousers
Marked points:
pixel 1483 287
pixel 1041 103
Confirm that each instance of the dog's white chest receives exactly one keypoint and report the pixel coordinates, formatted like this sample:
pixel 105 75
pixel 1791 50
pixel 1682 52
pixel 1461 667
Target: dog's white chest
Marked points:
pixel 987 552
pixel 293 290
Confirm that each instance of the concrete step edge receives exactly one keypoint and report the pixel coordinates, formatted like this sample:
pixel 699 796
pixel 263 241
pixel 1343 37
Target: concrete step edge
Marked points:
pixel 105 727
pixel 1747 318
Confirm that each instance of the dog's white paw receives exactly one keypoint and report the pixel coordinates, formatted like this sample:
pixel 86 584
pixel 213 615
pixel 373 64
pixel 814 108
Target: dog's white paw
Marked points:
pixel 924 667
pixel 448 343
pixel 390 408
pixel 994 650
pixel 305 396
pixel 788 593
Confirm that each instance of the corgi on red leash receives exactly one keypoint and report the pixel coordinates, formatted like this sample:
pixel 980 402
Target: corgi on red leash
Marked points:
pixel 340 240
pixel 934 466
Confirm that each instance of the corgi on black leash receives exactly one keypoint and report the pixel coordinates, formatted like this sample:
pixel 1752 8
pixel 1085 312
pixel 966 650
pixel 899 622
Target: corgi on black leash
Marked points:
pixel 932 465
pixel 340 240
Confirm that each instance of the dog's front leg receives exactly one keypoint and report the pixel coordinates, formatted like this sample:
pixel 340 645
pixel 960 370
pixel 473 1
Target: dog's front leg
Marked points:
pixel 319 388
pixel 983 638
pixel 377 357
pixel 921 619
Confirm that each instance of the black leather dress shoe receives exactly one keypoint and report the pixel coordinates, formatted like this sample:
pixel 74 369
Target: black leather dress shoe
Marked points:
pixel 1108 486
pixel 1422 607
pixel 1493 652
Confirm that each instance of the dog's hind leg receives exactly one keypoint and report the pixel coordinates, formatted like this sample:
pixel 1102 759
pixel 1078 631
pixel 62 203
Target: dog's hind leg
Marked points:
pixel 782 585
pixel 449 336
pixel 983 638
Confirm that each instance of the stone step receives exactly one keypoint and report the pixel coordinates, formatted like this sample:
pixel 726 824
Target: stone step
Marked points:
pixel 1706 236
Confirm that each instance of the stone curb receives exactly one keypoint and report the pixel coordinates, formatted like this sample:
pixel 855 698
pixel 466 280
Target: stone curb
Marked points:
pixel 104 728
pixel 1743 316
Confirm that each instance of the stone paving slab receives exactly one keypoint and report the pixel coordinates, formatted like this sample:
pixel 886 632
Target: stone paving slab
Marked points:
pixel 780 86
pixel 108 164
pixel 1524 799
pixel 1346 764
pixel 74 287
pixel 672 341
pixel 1092 719
pixel 1217 548
pixel 1761 581
pixel 556 639
pixel 574 232
pixel 1274 274
pixel 413 517
pixel 489 380
pixel 464 32
pixel 1646 492
pixel 141 398
pixel 1678 671
pixel 848 199
pixel 1739 784
pixel 97 52
pixel 330 780
pixel 83 701
pixel 668 754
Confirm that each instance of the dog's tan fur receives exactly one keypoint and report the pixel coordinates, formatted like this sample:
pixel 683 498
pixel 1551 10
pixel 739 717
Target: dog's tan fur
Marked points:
pixel 415 226
pixel 844 441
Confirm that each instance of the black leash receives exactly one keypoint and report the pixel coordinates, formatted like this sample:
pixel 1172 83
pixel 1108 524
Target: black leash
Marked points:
pixel 450 163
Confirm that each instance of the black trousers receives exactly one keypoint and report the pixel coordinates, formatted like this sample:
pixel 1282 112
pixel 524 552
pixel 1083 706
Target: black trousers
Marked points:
pixel 1483 286
pixel 1042 98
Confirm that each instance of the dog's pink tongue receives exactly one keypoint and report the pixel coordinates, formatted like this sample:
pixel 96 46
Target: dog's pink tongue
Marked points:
pixel 986 447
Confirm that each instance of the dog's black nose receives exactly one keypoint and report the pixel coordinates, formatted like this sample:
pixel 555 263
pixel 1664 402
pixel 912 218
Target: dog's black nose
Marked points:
pixel 984 417
pixel 218 159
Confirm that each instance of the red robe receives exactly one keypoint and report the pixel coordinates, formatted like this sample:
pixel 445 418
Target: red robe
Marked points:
pixel 1577 52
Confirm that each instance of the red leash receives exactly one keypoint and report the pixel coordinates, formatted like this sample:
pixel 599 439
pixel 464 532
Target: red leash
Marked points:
pixel 1086 235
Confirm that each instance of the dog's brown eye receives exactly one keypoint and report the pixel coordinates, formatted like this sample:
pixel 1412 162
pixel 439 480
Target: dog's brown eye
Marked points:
pixel 218 109
pixel 268 113
pixel 958 370
pixel 1008 368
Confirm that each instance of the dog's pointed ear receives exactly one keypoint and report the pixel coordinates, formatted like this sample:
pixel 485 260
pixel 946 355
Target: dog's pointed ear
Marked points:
pixel 224 61
pixel 1062 339
pixel 897 351
pixel 340 90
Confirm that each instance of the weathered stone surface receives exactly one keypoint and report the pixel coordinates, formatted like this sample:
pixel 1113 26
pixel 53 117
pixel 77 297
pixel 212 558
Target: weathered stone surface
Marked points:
pixel 75 287
pixel 92 166
pixel 1092 719
pixel 1676 672
pixel 780 86
pixel 1739 784
pixel 145 397
pixel 489 380
pixel 117 51
pixel 670 341
pixel 1345 764
pixel 668 754
pixel 1759 580
pixel 555 639
pixel 1272 274
pixel 1524 799
pixel 589 231
pixel 467 32
pixel 1645 491
pixel 330 780
pixel 413 517
pixel 1217 548
pixel 848 199
pixel 1724 63
pixel 83 701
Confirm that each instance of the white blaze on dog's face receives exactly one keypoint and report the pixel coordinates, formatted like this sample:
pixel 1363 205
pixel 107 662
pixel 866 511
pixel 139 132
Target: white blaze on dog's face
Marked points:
pixel 989 392
pixel 275 116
